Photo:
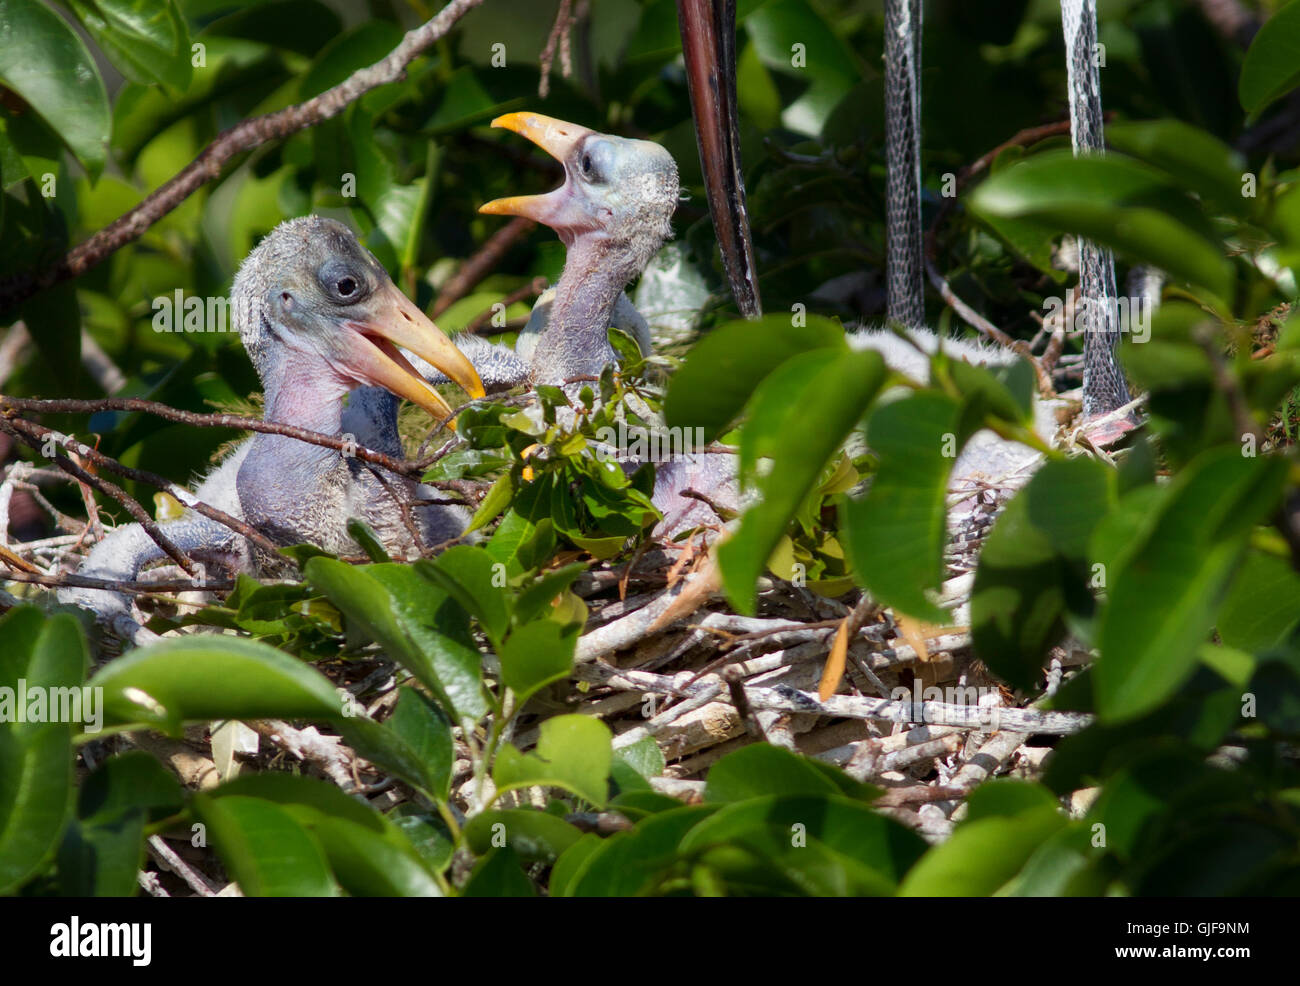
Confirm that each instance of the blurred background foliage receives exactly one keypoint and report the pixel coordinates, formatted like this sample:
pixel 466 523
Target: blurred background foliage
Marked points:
pixel 113 97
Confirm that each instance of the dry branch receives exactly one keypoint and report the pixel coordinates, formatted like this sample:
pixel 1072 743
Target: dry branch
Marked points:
pixel 244 136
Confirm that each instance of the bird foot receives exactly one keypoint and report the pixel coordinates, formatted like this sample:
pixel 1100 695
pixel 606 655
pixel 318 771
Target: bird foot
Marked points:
pixel 1108 429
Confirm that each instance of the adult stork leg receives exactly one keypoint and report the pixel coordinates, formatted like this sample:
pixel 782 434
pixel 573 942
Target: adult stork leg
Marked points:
pixel 1104 388
pixel 906 300
pixel 709 46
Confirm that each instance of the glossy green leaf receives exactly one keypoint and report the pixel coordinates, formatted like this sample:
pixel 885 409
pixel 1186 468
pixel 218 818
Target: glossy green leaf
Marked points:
pixel 763 769
pixel 427 833
pixel 862 851
pixel 537 654
pixel 1272 65
pixel 212 677
pixel 368 853
pixel 799 416
pixel 573 753
pixel 413 620
pixel 1164 588
pixel 987 851
pixel 1197 160
pixel 425 729
pixel 533 835
pixel 895 533
pixel 498 875
pixel 1262 606
pixel 265 848
pixel 146 40
pixel 36 760
pixel 470 576
pixel 726 366
pixel 1117 202
pixel 47 64
pixel 1032 569
pixel 103 848
pixel 629 863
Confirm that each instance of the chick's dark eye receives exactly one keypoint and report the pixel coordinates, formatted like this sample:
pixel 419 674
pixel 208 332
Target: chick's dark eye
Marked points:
pixel 346 287
pixel 586 164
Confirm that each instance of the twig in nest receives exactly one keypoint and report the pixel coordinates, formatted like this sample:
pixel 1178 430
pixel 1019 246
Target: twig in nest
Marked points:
pixel 70 580
pixel 184 496
pixel 833 673
pixel 115 492
pixel 401 467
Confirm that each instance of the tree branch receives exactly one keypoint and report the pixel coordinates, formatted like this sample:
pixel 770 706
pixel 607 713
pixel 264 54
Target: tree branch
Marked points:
pixel 242 137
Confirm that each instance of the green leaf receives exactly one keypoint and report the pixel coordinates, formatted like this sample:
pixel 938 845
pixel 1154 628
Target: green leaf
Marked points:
pixel 496 499
pixel 1033 569
pixel 44 61
pixel 536 600
pixel 423 727
pixel 854 849
pixel 1166 586
pixel 571 863
pixel 520 544
pixel 1263 605
pixel 36 761
pixel 427 832
pixel 988 849
pixel 1006 392
pixel 361 533
pixel 1117 202
pixel 368 853
pixel 537 654
pixel 573 753
pixel 212 677
pixel 130 781
pixel 726 366
pixel 800 415
pixel 636 763
pixel 103 848
pixel 265 848
pixel 535 836
pixel 415 623
pixel 146 40
pixel 763 769
pixel 468 574
pixel 895 533
pixel 1195 159
pixel 498 875
pixel 630 863
pixel 368 865
pixel 1272 65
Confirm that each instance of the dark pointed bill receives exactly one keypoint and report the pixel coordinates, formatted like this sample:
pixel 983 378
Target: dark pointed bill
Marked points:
pixel 709 47
pixel 372 354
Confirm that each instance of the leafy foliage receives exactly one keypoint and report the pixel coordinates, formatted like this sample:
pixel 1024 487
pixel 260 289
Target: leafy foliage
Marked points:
pixel 1177 568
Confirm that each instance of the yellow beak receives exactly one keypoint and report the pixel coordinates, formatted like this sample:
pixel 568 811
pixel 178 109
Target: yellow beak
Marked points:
pixel 374 356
